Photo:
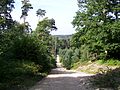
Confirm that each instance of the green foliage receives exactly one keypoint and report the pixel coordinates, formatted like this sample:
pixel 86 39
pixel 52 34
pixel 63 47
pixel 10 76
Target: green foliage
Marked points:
pixel 63 41
pixel 6 22
pixel 40 13
pixel 110 62
pixel 84 53
pixel 101 61
pixel 76 55
pixel 75 41
pixel 23 54
pixel 15 68
pixel 25 8
pixel 113 62
pixel 53 62
pixel 98 32
pixel 13 72
pixel 67 60
pixel 69 57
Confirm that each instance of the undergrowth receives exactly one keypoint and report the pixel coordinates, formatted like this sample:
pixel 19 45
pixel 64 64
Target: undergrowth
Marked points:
pixel 19 75
pixel 110 62
pixel 107 72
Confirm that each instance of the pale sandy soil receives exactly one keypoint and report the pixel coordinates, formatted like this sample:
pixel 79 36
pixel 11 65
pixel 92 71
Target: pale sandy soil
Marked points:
pixel 62 79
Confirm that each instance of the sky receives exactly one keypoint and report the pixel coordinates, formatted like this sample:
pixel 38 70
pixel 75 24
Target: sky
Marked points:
pixel 62 11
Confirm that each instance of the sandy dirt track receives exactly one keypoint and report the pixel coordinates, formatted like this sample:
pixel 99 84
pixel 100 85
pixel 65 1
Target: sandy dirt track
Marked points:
pixel 62 79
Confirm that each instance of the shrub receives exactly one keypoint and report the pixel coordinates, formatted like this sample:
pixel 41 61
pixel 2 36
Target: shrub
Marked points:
pixel 84 53
pixel 53 62
pixel 13 73
pixel 76 55
pixel 109 62
pixel 69 56
pixel 11 69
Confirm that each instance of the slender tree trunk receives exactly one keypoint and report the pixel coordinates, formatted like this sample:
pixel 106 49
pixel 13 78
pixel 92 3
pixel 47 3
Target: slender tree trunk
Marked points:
pixel 24 19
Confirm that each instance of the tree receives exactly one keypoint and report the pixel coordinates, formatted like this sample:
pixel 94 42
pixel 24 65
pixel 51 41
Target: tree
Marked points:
pixel 22 54
pixel 6 23
pixel 25 8
pixel 42 32
pixel 40 13
pixel 96 24
pixel 115 4
pixel 6 6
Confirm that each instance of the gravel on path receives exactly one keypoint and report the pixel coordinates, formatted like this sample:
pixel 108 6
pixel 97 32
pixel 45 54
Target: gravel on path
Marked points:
pixel 62 79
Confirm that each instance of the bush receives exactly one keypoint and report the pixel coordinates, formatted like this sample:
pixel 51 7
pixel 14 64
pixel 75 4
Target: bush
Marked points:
pixel 11 69
pixel 76 56
pixel 113 62
pixel 28 48
pixel 109 62
pixel 12 72
pixel 62 54
pixel 53 62
pixel 69 57
pixel 85 55
pixel 66 57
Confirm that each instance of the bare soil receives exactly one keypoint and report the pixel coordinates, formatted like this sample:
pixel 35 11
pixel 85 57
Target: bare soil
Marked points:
pixel 62 79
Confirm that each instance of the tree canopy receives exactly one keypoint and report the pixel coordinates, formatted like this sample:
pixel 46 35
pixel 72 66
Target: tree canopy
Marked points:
pixel 25 8
pixel 6 7
pixel 97 25
pixel 23 52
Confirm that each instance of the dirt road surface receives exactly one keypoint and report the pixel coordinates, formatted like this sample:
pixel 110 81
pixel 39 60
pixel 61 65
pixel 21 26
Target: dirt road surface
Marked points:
pixel 62 79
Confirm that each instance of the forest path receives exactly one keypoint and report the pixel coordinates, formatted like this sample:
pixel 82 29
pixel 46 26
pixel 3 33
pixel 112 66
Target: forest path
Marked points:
pixel 62 79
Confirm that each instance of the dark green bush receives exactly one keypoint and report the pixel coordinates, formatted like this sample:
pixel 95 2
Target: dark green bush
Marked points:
pixel 13 73
pixel 22 55
pixel 11 69
pixel 67 62
pixel 66 57
pixel 53 62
